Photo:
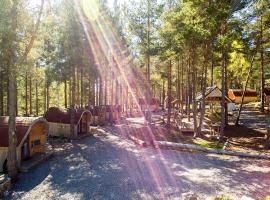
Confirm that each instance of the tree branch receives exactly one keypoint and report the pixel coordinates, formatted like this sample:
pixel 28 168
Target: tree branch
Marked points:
pixel 33 37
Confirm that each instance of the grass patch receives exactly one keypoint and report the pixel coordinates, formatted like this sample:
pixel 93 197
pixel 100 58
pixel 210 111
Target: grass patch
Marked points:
pixel 209 144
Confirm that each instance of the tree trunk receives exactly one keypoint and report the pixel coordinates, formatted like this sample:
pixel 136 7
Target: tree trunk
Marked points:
pixel 26 94
pixel 1 93
pixel 189 90
pixel 204 84
pixel 12 155
pixel 73 100
pixel 82 87
pixel 45 95
pixel 169 74
pixel 37 106
pixel 100 91
pixel 65 92
pixel 262 66
pixel 106 91
pixel 48 95
pixel 223 113
pixel 194 89
pixel 244 90
pixel 30 96
pixel 148 43
pixel 163 95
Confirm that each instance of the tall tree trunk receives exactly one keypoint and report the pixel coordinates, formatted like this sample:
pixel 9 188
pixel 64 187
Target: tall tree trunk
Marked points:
pixel 169 74
pixel 45 94
pixel 12 138
pixel 262 65
pixel 1 93
pixel 189 90
pixel 193 89
pixel 178 80
pixel 163 94
pixel 245 88
pixel 16 97
pixel 37 106
pixel 100 91
pixel 73 100
pixel 106 90
pixel 65 92
pixel 48 95
pixel 89 90
pixel 204 84
pixel 148 43
pixel 26 94
pixel 30 96
pixel 82 87
pixel 223 103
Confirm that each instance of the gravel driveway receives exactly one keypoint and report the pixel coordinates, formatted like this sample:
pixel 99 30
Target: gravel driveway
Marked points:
pixel 109 167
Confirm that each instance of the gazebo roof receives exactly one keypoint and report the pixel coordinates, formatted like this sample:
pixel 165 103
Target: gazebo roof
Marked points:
pixel 212 94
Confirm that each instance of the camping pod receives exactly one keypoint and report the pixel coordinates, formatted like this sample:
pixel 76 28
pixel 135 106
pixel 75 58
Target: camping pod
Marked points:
pixel 267 95
pixel 31 135
pixel 236 95
pixel 98 114
pixel 60 119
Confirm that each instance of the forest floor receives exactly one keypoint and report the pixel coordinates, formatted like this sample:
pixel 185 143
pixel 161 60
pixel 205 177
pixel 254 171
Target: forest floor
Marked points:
pixel 107 166
pixel 249 136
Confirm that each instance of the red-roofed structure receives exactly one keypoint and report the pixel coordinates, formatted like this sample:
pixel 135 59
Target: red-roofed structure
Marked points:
pixel 59 121
pixel 236 95
pixel 31 135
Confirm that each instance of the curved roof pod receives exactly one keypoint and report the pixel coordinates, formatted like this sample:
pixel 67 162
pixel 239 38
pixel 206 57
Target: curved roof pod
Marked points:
pixel 23 128
pixel 236 95
pixel 248 92
pixel 61 115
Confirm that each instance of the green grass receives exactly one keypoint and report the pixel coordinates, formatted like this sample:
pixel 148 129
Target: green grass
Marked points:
pixel 209 144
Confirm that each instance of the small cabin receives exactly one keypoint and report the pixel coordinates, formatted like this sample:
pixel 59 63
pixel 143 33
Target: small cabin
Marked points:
pixel 154 104
pixel 59 120
pixel 31 135
pixel 212 95
pixel 236 95
pixel 267 95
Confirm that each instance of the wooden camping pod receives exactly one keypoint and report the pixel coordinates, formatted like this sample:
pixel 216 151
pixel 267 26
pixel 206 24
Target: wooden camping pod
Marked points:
pixel 236 95
pixel 59 121
pixel 31 138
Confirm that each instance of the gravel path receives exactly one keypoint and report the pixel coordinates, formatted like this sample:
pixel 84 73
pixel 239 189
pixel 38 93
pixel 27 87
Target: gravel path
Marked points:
pixel 109 167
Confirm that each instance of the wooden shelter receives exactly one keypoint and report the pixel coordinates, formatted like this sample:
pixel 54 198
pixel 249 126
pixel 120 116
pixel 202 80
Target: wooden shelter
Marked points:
pixel 31 135
pixel 154 104
pixel 59 121
pixel 212 94
pixel 267 95
pixel 236 95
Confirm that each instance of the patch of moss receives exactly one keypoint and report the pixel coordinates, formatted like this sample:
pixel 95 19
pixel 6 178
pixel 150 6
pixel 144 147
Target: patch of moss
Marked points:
pixel 209 144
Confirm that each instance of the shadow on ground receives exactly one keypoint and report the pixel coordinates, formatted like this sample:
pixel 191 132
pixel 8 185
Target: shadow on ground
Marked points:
pixel 107 167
